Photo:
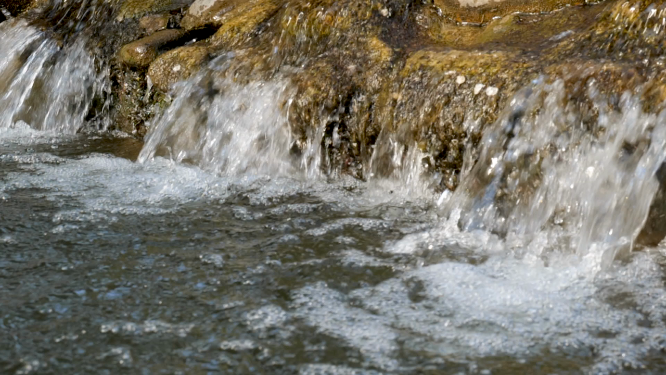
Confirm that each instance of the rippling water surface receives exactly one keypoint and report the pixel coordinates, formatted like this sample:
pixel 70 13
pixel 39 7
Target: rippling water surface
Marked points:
pixel 216 252
pixel 110 265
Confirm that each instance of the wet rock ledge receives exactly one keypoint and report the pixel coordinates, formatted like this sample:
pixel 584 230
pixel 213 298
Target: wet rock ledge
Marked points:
pixel 382 77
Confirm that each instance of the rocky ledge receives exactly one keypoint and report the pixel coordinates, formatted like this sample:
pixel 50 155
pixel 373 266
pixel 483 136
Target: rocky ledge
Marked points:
pixel 426 74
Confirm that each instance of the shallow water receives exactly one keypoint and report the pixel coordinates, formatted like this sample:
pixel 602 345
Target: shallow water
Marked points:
pixel 112 266
pixel 215 249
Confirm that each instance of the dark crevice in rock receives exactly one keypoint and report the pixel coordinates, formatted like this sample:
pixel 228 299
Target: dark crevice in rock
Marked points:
pixel 654 230
pixel 15 7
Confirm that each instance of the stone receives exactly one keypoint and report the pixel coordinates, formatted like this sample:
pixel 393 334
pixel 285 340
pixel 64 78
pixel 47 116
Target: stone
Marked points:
pixel 216 13
pixel 139 8
pixel 204 13
pixel 481 11
pixel 14 7
pixel 370 76
pixel 177 65
pixel 241 20
pixel 154 22
pixel 140 53
pixel 654 230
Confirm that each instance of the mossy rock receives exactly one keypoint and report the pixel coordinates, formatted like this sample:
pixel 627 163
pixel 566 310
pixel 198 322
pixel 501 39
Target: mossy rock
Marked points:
pixel 482 11
pixel 518 31
pixel 139 8
pixel 485 66
pixel 177 65
pixel 140 53
pixel 311 28
pixel 128 111
pixel 15 7
pixel 242 20
pixel 631 31
pixel 337 91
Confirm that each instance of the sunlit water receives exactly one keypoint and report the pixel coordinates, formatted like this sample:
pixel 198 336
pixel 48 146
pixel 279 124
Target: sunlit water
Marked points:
pixel 220 251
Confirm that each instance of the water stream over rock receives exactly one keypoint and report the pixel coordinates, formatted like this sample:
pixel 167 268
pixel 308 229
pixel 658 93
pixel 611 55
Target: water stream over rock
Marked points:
pixel 332 187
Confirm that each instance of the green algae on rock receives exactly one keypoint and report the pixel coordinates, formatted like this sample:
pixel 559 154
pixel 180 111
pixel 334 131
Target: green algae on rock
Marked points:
pixel 479 12
pixel 627 30
pixel 242 20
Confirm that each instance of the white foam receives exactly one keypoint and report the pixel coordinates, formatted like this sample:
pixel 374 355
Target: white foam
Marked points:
pixel 337 225
pixel 268 317
pixel 104 186
pixel 147 327
pixel 22 134
pixel 322 369
pixel 504 306
pixel 327 310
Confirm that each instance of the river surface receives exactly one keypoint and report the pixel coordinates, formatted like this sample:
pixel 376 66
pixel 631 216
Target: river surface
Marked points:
pixel 108 265
pixel 216 254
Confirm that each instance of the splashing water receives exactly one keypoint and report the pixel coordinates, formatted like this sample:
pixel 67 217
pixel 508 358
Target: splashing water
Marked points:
pixel 551 180
pixel 51 88
pixel 224 127
pixel 522 265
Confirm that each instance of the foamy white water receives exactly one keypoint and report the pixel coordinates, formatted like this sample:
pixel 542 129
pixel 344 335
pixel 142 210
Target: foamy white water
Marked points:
pixel 551 178
pixel 225 127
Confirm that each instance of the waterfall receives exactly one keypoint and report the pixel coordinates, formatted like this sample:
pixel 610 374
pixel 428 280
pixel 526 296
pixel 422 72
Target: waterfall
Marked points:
pixel 225 127
pixel 548 179
pixel 50 84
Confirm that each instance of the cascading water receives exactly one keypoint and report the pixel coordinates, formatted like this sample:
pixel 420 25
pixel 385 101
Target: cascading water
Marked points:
pixel 227 247
pixel 225 127
pixel 547 175
pixel 49 87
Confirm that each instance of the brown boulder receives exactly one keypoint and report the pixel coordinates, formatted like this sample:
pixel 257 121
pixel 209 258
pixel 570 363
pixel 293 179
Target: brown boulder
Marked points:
pixel 177 65
pixel 154 22
pixel 482 11
pixel 217 13
pixel 141 53
pixel 138 8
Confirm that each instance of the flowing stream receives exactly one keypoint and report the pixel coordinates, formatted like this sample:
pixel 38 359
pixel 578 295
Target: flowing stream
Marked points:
pixel 212 248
